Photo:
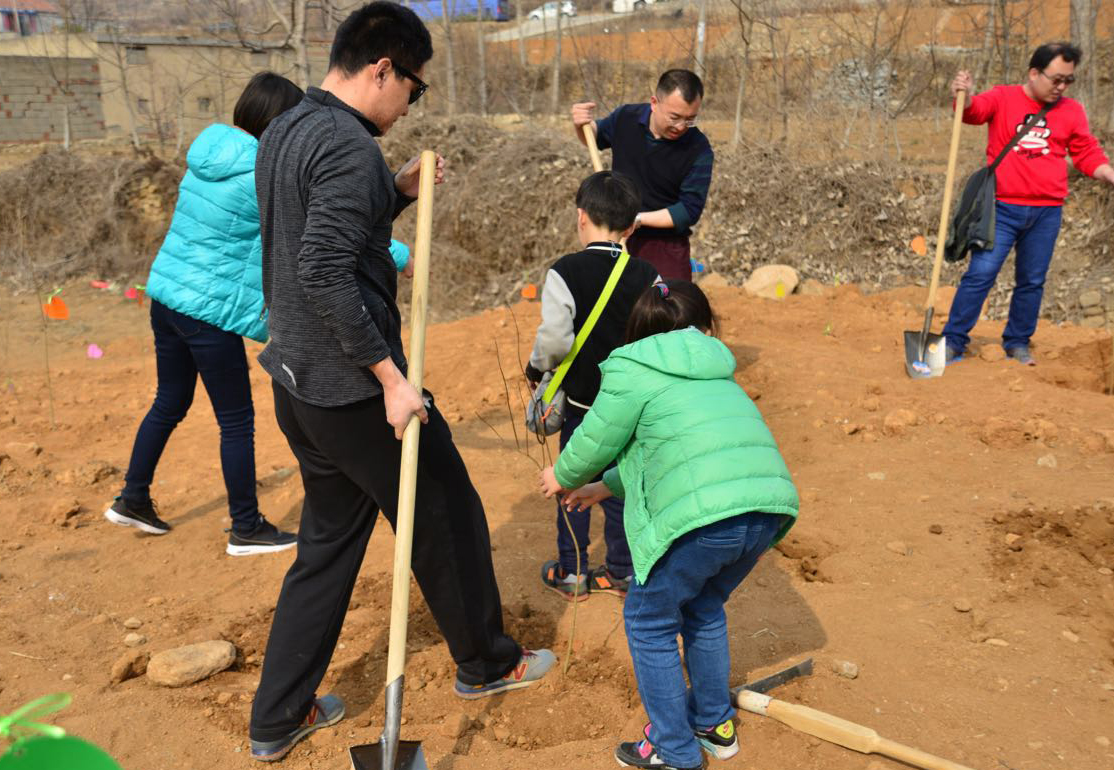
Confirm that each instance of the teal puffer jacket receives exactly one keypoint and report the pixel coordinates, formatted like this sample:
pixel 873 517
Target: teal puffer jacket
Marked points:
pixel 209 266
pixel 692 448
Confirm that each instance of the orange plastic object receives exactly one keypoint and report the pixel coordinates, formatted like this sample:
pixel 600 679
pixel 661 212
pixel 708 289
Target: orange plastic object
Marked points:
pixel 919 246
pixel 56 309
pixel 529 291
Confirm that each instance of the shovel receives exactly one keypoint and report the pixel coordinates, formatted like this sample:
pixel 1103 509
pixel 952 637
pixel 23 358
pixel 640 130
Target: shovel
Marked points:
pixel 589 130
pixel 391 753
pixel 925 353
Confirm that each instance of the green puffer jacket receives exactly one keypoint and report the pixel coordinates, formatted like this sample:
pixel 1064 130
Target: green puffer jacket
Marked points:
pixel 692 448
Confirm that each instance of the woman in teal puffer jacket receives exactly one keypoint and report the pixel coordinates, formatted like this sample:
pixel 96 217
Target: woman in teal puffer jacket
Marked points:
pixel 706 493
pixel 206 295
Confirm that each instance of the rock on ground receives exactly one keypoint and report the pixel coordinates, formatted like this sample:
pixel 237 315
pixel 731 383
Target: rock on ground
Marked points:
pixel 129 665
pixel 192 663
pixel 764 281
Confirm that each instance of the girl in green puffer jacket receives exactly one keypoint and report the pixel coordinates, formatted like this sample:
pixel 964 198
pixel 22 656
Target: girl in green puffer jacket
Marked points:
pixel 706 493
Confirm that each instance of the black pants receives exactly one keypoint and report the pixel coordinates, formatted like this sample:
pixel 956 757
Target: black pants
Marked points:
pixel 349 459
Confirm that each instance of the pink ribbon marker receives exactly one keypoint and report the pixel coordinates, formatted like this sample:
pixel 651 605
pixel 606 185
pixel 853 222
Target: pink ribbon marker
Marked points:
pixel 94 351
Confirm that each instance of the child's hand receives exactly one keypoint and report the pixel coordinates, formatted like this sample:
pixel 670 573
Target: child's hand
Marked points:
pixel 548 482
pixel 408 271
pixel 587 496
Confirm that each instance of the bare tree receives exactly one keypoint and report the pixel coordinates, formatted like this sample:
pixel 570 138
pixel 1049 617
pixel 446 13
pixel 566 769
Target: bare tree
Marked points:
pixel 1084 15
pixel 255 32
pixel 450 69
pixel 482 69
pixel 701 33
pixel 518 17
pixel 555 93
pixel 745 17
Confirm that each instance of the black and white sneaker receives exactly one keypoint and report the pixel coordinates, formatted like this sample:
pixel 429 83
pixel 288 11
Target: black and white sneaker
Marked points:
pixel 265 538
pixel 142 517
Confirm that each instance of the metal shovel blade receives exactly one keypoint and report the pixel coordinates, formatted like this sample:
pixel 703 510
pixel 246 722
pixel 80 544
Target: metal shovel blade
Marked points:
pixel 931 363
pixel 371 757
pixel 804 668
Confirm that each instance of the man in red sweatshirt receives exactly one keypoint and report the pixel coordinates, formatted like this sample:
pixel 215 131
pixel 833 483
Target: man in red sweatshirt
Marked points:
pixel 1032 186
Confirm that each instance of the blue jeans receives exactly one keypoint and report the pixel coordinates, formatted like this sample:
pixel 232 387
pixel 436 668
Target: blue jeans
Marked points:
pixel 184 348
pixel 1033 230
pixel 684 594
pixel 618 558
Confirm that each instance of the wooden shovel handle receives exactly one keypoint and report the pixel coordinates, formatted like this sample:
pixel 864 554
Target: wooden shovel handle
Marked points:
pixel 589 130
pixel 945 209
pixel 408 476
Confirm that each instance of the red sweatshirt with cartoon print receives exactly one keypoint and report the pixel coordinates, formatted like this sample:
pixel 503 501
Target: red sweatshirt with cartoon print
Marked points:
pixel 1034 172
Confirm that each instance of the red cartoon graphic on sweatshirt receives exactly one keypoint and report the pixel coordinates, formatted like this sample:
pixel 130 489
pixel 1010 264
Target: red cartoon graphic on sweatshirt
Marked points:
pixel 1035 143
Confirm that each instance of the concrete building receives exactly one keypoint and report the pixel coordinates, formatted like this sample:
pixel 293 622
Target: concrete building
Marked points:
pixel 28 17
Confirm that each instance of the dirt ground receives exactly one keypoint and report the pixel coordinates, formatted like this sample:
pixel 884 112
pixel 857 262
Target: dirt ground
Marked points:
pixel 955 543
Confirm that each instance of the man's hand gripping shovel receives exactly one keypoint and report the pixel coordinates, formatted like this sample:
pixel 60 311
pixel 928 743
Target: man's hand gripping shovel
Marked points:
pixel 391 753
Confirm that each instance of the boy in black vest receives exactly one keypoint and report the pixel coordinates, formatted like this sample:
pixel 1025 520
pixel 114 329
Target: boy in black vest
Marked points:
pixel 670 161
pixel 606 205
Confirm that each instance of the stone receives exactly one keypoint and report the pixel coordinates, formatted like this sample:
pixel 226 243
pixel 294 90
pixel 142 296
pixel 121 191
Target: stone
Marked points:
pixel 766 280
pixel 936 529
pixel 129 666
pixel 1106 571
pixel 223 698
pixel 846 669
pixel 99 619
pixel 962 605
pixel 1047 461
pixel 1011 538
pixel 63 509
pixel 1093 322
pixel 1103 741
pixel 871 403
pixel 876 476
pixel 991 353
pixel 26 449
pixel 501 733
pixel 896 421
pixel 456 725
pixel 191 663
pixel 898 547
pixel 1090 298
pixel 134 640
pixel 1070 636
pixel 133 623
pixel 996 642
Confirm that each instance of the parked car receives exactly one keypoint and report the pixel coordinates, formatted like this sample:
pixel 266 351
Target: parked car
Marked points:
pixel 549 10
pixel 627 6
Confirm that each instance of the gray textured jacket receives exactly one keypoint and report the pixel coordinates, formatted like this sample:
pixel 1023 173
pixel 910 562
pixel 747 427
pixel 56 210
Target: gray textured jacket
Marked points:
pixel 326 205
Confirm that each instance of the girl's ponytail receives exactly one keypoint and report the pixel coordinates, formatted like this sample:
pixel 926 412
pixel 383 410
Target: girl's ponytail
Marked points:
pixel 670 305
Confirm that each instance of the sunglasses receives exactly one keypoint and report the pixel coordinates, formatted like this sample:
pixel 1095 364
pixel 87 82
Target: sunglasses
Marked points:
pixel 1060 80
pixel 417 93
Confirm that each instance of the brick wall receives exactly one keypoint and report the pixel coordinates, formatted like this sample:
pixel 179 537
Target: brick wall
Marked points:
pixel 33 104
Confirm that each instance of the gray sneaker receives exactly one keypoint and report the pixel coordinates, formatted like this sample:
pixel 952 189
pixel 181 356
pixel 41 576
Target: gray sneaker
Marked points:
pixel 1022 355
pixel 531 667
pixel 265 538
pixel 326 711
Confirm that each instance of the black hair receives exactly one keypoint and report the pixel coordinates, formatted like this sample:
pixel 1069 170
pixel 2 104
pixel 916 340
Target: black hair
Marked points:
pixel 265 97
pixel 685 81
pixel 610 200
pixel 377 31
pixel 670 305
pixel 1044 55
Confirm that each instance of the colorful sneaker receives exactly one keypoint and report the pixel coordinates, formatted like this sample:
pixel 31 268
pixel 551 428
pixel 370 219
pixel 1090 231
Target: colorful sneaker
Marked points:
pixel 720 741
pixel 531 667
pixel 573 588
pixel 601 581
pixel 325 712
pixel 265 538
pixel 643 754
pixel 142 517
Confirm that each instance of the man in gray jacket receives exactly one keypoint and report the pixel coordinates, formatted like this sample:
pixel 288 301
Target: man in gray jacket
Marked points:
pixel 326 204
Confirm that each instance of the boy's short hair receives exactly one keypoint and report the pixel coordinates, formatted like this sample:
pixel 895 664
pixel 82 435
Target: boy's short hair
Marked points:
pixel 685 81
pixel 1045 54
pixel 380 30
pixel 610 200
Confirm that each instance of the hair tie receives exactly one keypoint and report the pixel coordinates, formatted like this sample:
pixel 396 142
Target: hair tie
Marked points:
pixel 660 286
